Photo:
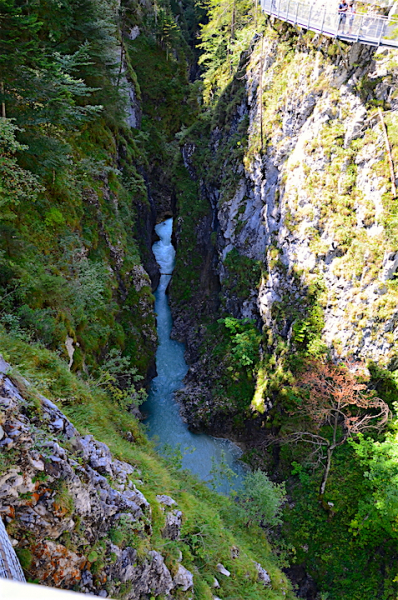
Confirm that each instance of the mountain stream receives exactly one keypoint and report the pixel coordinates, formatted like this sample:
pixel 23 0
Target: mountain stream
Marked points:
pixel 204 453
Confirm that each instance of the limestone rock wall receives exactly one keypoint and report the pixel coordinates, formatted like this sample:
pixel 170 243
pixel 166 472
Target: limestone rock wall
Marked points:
pixel 312 200
pixel 73 512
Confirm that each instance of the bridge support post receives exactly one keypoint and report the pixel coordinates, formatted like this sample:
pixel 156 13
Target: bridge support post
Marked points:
pixel 309 17
pixel 323 20
pixel 287 10
pixel 360 28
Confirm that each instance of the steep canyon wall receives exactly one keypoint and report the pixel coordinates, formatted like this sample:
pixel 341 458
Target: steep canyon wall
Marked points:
pixel 298 186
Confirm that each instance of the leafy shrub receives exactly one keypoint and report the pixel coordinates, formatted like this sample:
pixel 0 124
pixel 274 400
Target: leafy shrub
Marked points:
pixel 261 499
pixel 245 339
pixel 25 557
pixel 119 379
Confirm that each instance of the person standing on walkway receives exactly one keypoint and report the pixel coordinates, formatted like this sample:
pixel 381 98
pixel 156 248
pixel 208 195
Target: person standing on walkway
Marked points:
pixel 343 8
pixel 351 15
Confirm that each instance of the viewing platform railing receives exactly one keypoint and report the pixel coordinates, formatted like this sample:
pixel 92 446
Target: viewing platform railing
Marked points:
pixel 371 29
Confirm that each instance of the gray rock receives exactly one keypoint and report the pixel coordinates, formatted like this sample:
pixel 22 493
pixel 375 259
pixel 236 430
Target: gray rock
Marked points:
pixel 137 497
pixel 7 443
pixel 98 503
pixel 135 411
pixel 166 500
pixel 172 528
pixel 87 578
pixel 126 566
pixel 390 266
pixel 263 576
pixel 58 424
pixel 134 32
pixel 4 366
pixel 221 569
pixel 183 578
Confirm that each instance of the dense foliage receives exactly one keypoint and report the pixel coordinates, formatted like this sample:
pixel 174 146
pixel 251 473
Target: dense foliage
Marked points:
pixel 346 541
pixel 74 213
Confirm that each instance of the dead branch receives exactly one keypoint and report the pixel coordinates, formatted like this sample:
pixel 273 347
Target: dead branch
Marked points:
pixel 388 149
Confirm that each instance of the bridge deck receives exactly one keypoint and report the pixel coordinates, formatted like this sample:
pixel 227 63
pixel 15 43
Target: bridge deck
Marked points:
pixel 371 29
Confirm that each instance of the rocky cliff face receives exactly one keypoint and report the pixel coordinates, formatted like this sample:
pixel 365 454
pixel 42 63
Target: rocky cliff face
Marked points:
pixel 301 198
pixel 314 204
pixel 74 513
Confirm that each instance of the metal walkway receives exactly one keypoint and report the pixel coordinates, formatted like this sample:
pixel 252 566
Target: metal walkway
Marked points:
pixel 9 563
pixel 371 29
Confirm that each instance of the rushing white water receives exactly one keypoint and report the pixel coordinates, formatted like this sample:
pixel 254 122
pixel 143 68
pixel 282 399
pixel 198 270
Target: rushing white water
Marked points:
pixel 164 421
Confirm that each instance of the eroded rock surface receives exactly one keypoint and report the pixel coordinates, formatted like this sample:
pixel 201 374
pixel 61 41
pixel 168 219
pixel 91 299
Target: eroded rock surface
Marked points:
pixel 74 510
pixel 303 213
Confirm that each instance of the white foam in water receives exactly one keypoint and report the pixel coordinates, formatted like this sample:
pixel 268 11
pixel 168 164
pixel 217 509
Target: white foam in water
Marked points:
pixel 163 249
pixel 164 421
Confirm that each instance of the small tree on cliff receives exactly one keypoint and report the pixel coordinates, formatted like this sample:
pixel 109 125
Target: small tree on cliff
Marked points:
pixel 261 499
pixel 331 395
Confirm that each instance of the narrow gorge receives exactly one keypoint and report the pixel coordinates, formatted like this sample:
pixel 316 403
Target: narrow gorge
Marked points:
pixel 202 452
pixel 198 263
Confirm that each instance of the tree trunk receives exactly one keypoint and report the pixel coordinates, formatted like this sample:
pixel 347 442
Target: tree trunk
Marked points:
pixel 329 457
pixel 326 472
pixel 3 104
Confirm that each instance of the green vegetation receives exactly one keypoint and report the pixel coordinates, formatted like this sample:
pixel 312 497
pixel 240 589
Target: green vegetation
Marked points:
pixel 75 215
pixel 245 341
pixel 212 524
pixel 262 500
pixel 344 566
pixel 231 351
pixel 347 546
pixel 243 274
pixel 25 558
pixel 68 202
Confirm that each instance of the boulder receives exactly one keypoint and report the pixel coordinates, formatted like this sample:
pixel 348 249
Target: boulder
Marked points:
pixel 183 579
pixel 165 500
pixel 149 577
pixel 172 528
pixel 221 569
pixel 263 576
pixel 55 565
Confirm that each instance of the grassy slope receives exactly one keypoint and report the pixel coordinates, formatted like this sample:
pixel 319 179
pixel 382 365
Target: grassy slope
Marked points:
pixel 211 523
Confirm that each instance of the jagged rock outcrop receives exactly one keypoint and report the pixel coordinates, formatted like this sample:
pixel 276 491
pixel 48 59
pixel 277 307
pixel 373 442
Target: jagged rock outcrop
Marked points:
pixel 303 218
pixel 72 510
pixel 313 205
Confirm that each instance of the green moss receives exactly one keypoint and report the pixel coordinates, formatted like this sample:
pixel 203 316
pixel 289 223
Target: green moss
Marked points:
pixel 25 557
pixel 243 274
